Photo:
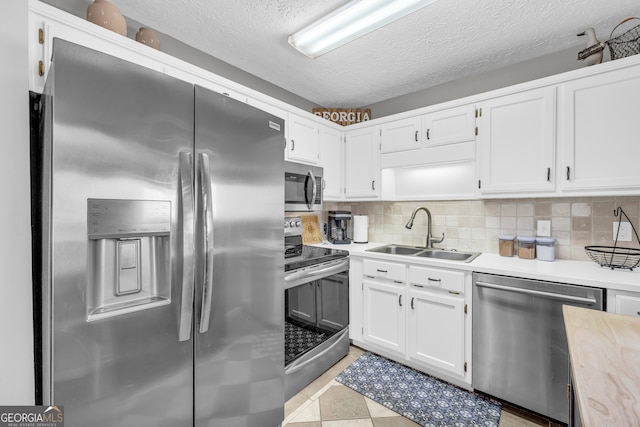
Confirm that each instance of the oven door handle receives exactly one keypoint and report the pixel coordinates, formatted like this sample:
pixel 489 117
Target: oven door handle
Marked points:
pixel 323 272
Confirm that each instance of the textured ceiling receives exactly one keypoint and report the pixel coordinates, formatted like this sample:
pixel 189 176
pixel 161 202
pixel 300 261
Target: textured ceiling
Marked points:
pixel 446 41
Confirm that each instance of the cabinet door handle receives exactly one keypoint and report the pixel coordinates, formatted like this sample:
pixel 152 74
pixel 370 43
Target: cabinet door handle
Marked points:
pixel 568 173
pixel 428 133
pixel 382 271
pixel 418 286
pixel 548 174
pixel 434 280
pixel 412 298
pixel 416 136
pixel 400 300
pixel 293 145
pixel 373 184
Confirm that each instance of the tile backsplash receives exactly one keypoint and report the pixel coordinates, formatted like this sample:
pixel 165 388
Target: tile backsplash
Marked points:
pixel 475 225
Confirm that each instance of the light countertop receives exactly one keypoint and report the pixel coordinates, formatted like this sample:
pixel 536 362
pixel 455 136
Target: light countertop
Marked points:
pixel 585 273
pixel 604 350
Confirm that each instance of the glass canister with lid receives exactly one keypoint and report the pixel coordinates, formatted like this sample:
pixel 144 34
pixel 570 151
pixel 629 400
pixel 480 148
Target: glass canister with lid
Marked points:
pixel 506 245
pixel 545 248
pixel 527 247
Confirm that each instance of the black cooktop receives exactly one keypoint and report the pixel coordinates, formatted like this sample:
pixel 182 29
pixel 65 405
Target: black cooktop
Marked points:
pixel 311 255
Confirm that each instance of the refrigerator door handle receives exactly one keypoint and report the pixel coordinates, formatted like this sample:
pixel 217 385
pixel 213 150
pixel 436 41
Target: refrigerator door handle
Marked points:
pixel 188 249
pixel 207 215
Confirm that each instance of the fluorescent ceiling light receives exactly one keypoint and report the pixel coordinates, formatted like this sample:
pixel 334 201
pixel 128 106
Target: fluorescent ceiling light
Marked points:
pixel 353 20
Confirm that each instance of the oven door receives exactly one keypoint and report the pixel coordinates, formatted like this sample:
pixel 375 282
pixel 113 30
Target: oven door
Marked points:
pixel 317 308
pixel 302 187
pixel 316 323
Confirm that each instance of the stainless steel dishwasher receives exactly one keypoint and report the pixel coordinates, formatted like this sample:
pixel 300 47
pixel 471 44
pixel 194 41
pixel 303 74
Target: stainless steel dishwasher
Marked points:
pixel 520 350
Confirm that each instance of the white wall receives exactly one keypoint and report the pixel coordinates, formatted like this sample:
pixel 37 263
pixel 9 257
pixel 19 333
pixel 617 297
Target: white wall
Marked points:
pixel 16 330
pixel 189 54
pixel 548 65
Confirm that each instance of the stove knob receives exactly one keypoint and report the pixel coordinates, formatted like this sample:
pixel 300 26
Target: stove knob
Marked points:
pixel 286 224
pixel 298 223
pixel 292 224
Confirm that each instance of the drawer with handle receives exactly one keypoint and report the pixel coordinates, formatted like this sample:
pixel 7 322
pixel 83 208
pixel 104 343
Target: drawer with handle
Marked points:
pixel 436 278
pixel 385 270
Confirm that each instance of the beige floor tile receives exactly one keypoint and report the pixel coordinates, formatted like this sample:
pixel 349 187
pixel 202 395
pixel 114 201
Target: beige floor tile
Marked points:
pixel 342 403
pixel 323 389
pixel 355 351
pixel 379 411
pixel 365 422
pixel 294 403
pixel 310 413
pixel 312 424
pixel 324 379
pixel 398 421
pixel 510 420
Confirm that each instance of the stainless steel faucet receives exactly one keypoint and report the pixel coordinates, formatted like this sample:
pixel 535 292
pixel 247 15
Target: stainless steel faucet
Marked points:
pixel 430 239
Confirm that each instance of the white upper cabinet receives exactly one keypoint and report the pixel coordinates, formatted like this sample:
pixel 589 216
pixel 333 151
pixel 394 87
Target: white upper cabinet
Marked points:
pixel 362 174
pixel 303 140
pixel 450 126
pixel 332 162
pixel 264 106
pixel 599 133
pixel 43 29
pixel 517 142
pixel 437 138
pixel 401 135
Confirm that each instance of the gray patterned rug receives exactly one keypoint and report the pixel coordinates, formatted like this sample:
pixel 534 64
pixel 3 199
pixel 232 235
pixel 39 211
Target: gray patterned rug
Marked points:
pixel 417 396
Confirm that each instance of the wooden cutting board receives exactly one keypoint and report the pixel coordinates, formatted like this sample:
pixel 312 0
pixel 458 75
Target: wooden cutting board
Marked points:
pixel 311 230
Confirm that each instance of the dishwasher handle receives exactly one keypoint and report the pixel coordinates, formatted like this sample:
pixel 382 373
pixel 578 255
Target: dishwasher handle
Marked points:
pixel 568 298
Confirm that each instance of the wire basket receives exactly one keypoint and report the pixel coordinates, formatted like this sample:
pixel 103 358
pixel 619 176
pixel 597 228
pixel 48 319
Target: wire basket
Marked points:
pixel 626 44
pixel 614 256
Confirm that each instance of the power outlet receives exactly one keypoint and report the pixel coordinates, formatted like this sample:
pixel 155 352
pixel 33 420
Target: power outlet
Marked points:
pixel 625 231
pixel 544 228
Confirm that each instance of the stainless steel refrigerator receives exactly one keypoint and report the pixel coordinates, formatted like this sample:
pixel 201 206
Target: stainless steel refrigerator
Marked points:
pixel 162 264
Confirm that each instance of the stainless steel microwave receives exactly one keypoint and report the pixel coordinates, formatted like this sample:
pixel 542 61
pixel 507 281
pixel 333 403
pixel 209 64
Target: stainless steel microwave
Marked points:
pixel 302 187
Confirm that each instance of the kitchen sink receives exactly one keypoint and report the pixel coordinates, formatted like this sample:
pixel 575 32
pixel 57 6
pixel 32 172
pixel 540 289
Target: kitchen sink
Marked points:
pixel 448 255
pixel 397 250
pixel 453 255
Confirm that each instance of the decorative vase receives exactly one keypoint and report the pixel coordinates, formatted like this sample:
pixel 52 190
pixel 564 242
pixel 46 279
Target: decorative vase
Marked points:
pixel 149 37
pixel 107 15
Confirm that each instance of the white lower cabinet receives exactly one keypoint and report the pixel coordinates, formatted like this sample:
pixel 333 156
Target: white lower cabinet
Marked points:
pixel 623 302
pixel 384 315
pixel 436 329
pixel 417 315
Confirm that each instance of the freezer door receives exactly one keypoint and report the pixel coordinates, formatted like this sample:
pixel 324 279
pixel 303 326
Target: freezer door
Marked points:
pixel 239 336
pixel 116 225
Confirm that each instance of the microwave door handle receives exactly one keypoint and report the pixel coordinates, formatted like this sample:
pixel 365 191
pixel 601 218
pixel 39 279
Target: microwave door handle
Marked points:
pixel 207 225
pixel 313 193
pixel 188 248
